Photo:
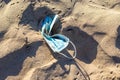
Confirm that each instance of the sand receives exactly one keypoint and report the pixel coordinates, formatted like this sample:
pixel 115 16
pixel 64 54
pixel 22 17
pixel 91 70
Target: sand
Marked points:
pixel 92 25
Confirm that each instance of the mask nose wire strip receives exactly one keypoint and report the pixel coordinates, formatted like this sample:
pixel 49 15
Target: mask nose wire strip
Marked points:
pixel 75 52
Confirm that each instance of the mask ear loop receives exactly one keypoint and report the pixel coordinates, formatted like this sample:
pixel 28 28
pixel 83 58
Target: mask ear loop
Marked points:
pixel 75 52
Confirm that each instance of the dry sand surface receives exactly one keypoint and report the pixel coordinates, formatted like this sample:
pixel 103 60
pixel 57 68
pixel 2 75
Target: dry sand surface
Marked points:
pixel 92 25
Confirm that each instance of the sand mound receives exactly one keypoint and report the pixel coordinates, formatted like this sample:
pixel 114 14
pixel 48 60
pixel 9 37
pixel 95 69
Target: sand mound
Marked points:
pixel 92 25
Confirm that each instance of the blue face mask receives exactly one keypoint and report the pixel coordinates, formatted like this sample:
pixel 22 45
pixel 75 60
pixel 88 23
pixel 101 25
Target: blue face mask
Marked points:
pixel 56 42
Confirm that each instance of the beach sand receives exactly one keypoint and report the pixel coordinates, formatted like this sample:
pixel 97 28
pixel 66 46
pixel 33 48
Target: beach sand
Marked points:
pixel 92 25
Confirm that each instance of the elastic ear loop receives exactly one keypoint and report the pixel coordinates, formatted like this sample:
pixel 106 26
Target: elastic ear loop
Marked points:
pixel 75 52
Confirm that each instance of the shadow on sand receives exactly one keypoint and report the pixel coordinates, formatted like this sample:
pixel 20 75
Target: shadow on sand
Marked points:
pixel 6 1
pixel 11 64
pixel 33 16
pixel 85 44
pixel 118 38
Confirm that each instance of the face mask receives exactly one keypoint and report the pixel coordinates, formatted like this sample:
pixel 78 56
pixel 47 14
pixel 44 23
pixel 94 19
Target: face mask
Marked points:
pixel 56 42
